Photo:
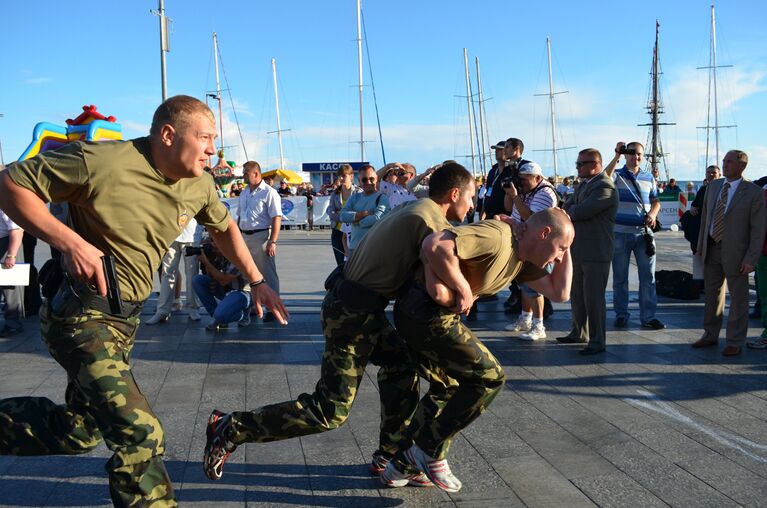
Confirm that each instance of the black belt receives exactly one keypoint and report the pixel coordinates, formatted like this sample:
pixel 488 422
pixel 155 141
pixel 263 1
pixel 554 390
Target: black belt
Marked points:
pixel 101 304
pixel 251 231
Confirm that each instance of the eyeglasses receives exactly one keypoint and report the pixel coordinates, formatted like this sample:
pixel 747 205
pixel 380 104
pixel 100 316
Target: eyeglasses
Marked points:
pixel 579 164
pixel 370 179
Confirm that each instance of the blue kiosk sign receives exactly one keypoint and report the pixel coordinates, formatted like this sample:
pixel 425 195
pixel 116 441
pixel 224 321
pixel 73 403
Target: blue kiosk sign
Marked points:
pixel 323 173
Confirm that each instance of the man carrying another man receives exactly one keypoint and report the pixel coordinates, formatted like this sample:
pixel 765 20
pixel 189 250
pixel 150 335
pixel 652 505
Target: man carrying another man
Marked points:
pixel 356 332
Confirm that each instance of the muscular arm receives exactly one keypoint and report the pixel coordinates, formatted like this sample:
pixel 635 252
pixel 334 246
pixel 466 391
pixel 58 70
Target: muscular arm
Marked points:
pixel 81 259
pixel 233 247
pixel 556 285
pixel 439 250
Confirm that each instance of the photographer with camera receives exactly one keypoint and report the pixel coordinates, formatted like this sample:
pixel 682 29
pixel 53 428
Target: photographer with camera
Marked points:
pixel 534 194
pixel 509 156
pixel 220 288
pixel 634 227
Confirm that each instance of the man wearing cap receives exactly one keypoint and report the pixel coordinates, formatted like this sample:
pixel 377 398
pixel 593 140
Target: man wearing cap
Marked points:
pixel 397 192
pixel 535 194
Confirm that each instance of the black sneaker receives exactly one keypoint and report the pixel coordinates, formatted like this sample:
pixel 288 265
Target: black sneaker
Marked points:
pixel 570 339
pixel 218 447
pixel 621 322
pixel 653 324
pixel 269 317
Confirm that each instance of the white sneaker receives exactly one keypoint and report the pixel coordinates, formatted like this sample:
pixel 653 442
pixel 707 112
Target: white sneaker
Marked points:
pixel 157 318
pixel 194 315
pixel 438 471
pixel 536 332
pixel 392 477
pixel 521 325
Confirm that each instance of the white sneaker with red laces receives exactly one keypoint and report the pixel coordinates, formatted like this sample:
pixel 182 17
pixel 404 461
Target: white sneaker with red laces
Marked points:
pixel 438 471
pixel 393 477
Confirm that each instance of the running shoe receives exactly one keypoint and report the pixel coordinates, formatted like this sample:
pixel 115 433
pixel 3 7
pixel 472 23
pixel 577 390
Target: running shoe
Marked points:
pixel 218 446
pixel 438 471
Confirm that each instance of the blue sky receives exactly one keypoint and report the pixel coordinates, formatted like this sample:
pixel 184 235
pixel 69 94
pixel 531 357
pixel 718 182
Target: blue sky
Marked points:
pixel 58 57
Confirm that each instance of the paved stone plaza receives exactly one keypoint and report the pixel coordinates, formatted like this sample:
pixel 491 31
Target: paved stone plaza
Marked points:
pixel 651 423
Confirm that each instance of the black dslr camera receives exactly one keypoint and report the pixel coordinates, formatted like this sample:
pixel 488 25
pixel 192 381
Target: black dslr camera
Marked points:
pixel 206 249
pixel 625 150
pixel 514 179
pixel 649 241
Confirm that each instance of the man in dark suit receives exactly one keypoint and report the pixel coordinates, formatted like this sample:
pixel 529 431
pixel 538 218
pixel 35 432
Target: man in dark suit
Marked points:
pixel 733 215
pixel 592 208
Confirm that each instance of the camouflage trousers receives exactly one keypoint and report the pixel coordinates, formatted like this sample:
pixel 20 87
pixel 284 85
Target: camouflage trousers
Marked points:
pixel 442 344
pixel 102 402
pixel 352 339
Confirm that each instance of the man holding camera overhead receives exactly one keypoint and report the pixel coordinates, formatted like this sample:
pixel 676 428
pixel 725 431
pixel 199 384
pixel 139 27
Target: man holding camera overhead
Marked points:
pixel 637 218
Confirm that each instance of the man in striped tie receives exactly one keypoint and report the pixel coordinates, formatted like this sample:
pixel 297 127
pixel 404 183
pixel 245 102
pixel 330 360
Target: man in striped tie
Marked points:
pixel 733 215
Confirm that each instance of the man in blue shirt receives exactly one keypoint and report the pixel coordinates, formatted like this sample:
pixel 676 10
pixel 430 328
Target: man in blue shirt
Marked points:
pixel 364 208
pixel 637 212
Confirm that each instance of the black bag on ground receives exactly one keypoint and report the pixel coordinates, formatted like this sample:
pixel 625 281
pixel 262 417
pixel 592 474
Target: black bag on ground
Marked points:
pixel 676 284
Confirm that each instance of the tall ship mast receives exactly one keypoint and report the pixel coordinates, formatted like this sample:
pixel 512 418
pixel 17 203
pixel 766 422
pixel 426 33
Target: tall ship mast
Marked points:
pixel 655 153
pixel 712 93
pixel 552 115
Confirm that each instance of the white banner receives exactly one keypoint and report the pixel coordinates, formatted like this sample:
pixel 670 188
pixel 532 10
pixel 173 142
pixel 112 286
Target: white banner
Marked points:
pixel 294 210
pixel 320 212
pixel 669 213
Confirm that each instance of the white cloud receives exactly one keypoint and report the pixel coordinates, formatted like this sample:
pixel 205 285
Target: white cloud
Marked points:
pixel 38 81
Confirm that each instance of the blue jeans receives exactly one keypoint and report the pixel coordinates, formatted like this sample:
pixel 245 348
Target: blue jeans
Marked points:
pixel 231 305
pixel 625 244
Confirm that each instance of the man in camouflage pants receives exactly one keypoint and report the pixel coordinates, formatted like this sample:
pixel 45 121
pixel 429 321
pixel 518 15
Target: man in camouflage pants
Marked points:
pixel 130 200
pixel 356 332
pixel 489 257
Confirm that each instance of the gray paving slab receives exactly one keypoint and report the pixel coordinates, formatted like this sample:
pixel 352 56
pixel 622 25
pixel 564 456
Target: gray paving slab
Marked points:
pixel 651 423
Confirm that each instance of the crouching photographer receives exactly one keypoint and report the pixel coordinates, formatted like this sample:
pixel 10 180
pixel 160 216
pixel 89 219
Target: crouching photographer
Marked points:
pixel 531 194
pixel 220 288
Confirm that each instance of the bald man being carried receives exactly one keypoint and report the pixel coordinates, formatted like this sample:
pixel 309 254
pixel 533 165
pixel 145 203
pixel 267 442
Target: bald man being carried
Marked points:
pixel 486 256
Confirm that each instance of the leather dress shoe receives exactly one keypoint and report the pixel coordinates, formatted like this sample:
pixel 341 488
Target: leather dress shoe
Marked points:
pixel 704 343
pixel 621 322
pixel 730 351
pixel 571 339
pixel 588 351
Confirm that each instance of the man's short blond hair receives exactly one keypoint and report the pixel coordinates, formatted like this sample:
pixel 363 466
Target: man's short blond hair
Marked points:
pixel 177 111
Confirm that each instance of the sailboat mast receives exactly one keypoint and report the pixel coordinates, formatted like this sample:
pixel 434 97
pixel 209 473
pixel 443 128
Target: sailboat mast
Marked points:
pixel 471 115
pixel 218 92
pixel 164 47
pixel 482 120
pixel 359 68
pixel 277 108
pixel 551 108
pixel 655 104
pixel 713 70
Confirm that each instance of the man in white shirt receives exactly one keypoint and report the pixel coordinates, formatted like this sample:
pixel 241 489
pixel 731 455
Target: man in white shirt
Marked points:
pixel 168 270
pixel 10 241
pixel 260 216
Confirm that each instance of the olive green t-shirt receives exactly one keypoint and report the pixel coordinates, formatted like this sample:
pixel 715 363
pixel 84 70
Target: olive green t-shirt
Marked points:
pixel 390 253
pixel 488 257
pixel 120 203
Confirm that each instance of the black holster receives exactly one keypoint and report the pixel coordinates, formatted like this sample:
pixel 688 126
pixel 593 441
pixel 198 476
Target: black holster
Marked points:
pixel 354 295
